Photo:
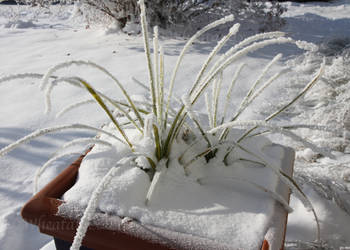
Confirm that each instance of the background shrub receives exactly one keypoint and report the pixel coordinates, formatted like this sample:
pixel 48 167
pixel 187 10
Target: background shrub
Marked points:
pixel 184 17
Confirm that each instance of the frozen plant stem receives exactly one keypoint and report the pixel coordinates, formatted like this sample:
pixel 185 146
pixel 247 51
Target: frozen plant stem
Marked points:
pixel 186 47
pixel 104 107
pixel 157 73
pixel 209 110
pixel 246 42
pixel 45 81
pixel 212 54
pixel 44 131
pixel 302 93
pixel 248 102
pixel 161 89
pixel 229 92
pixel 244 102
pixel 188 106
pixel 216 93
pixel 148 54
pixel 278 129
pixel 73 106
pixel 220 66
pixel 91 208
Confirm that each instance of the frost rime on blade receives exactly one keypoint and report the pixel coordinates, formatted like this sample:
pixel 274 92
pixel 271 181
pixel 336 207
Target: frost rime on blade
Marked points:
pixel 91 208
pixel 248 41
pixel 222 65
pixel 229 92
pixel 73 106
pixel 46 77
pixel 44 131
pixel 188 106
pixel 233 30
pixel 224 20
pixel 281 130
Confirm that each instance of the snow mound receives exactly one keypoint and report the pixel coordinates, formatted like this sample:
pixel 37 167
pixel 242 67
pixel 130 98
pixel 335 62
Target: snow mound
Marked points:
pixel 199 199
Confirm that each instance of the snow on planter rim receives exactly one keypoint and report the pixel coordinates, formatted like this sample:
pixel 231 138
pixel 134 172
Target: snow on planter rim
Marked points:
pixel 217 207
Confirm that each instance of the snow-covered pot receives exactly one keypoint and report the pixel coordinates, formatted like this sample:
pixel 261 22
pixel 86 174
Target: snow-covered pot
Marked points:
pixel 113 232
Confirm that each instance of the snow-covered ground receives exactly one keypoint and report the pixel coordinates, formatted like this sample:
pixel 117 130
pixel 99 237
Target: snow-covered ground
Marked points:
pixel 33 40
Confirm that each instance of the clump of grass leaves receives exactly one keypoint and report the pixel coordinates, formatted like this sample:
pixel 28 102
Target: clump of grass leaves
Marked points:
pixel 161 123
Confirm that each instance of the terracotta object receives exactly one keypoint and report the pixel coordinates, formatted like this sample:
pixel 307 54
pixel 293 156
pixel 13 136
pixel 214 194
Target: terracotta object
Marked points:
pixel 41 210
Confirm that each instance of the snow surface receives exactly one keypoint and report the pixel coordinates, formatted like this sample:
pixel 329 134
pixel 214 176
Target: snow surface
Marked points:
pixel 33 40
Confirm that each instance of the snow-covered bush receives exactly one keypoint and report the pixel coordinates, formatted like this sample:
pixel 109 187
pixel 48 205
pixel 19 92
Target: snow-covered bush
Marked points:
pixel 121 11
pixel 180 17
pixel 185 17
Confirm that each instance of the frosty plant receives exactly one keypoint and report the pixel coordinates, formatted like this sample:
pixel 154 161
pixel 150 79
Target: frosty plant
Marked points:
pixel 162 124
